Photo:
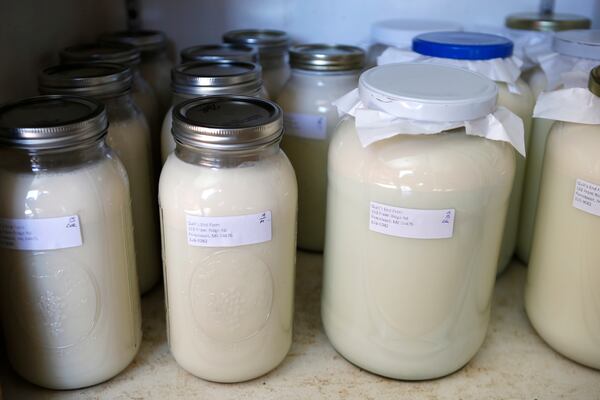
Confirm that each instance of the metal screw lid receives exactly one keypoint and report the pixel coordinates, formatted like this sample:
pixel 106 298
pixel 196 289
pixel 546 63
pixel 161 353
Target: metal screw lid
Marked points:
pixel 270 43
pixel 51 122
pixel 552 22
pixel 217 77
pixel 147 41
pixel 594 81
pixel 325 57
pixel 101 52
pixel 217 52
pixel 227 123
pixel 86 79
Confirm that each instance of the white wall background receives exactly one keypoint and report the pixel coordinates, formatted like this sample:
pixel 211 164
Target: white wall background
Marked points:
pixel 189 22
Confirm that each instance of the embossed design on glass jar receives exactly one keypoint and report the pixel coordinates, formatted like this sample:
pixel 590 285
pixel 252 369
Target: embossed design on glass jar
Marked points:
pixel 231 296
pixel 56 303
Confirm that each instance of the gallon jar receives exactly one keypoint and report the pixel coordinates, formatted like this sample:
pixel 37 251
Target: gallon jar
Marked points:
pixel 561 295
pixel 129 137
pixel 155 66
pixel 320 74
pixel 272 49
pixel 415 221
pixel 490 55
pixel 70 295
pixel 399 33
pixel 574 54
pixel 142 93
pixel 228 199
pixel 218 52
pixel 197 79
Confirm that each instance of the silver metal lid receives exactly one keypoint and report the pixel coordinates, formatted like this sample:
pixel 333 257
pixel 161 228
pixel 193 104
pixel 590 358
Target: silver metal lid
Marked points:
pixel 270 43
pixel 227 123
pixel 217 77
pixel 86 79
pixel 101 52
pixel 546 22
pixel 51 122
pixel 217 52
pixel 325 57
pixel 146 40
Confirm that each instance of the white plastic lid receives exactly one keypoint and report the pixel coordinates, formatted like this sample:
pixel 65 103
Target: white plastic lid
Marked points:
pixel 427 92
pixel 582 43
pixel 400 32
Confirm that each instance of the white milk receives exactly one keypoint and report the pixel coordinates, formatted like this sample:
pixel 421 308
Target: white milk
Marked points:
pixel 274 78
pixel 310 120
pixel 229 306
pixel 409 308
pixel 561 295
pixel 144 97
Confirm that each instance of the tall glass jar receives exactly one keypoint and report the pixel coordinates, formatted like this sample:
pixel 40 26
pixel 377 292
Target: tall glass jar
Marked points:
pixel 320 75
pixel 155 66
pixel 414 224
pixel 142 93
pixel 272 49
pixel 218 52
pixel 580 48
pixel 561 295
pixel 71 310
pixel 228 199
pixel 198 79
pixel 129 136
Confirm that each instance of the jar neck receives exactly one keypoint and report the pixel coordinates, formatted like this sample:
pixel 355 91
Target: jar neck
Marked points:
pixel 152 56
pixel 68 158
pixel 120 107
pixel 225 159
pixel 325 77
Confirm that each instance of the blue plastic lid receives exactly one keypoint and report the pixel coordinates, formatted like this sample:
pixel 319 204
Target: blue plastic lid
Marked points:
pixel 463 45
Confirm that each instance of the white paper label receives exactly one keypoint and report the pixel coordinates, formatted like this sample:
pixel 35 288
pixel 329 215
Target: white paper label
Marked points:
pixel 587 197
pixel 40 233
pixel 238 230
pixel 411 223
pixel 307 126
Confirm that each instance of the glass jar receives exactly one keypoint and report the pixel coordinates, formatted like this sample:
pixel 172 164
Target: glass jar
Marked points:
pixel 129 136
pixel 580 47
pixel 561 294
pixel 320 75
pixel 414 227
pixel 399 33
pixel 142 93
pixel 272 49
pixel 156 66
pixel 71 312
pixel 197 79
pixel 228 199
pixel 219 52
pixel 482 52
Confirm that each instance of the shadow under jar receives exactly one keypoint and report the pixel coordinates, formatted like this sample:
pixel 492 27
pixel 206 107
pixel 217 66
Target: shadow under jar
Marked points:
pixel 414 224
pixel 228 200
pixel 71 311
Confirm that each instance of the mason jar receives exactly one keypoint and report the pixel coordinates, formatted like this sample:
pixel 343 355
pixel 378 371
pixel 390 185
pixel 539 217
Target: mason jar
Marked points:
pixel 71 308
pixel 272 46
pixel 218 52
pixel 561 294
pixel 414 224
pixel 228 199
pixel 197 79
pixel 129 136
pixel 142 93
pixel 155 66
pixel 320 74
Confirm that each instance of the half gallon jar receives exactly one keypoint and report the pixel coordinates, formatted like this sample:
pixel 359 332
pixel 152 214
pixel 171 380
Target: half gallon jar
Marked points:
pixel 228 199
pixel 414 224
pixel 71 311
pixel 320 75
pixel 205 78
pixel 129 136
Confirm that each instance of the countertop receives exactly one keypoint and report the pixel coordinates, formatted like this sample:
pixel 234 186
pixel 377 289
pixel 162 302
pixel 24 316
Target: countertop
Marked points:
pixel 514 363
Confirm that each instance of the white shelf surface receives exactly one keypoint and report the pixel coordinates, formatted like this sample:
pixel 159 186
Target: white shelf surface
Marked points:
pixel 514 363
